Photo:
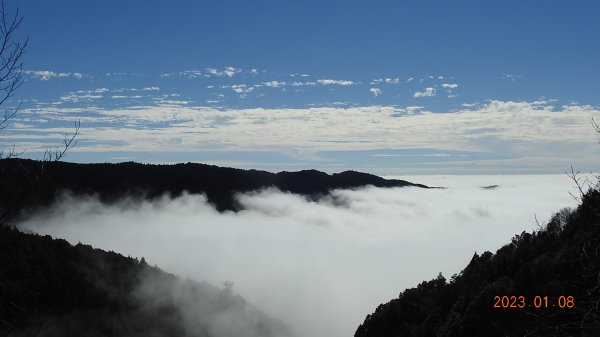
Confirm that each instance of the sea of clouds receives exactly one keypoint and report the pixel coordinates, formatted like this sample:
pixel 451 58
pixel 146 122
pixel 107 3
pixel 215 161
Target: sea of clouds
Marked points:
pixel 320 266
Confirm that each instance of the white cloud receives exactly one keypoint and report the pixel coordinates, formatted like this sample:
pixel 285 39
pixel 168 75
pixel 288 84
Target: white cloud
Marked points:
pixel 429 92
pixel 376 91
pixel 386 81
pixel 151 89
pixel 212 71
pixel 191 73
pixel 124 74
pixel 242 88
pixel 411 110
pixel 332 82
pixel 410 79
pixel 532 131
pixel 298 259
pixel 21 126
pixel 412 155
pixel 274 84
pixel 230 71
pixel 449 85
pixel 511 77
pixel 299 84
pixel 227 71
pixel 46 75
pixel 77 97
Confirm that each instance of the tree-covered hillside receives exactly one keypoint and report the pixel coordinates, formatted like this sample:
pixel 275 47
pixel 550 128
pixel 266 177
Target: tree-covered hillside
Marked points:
pixel 51 288
pixel 32 183
pixel 553 274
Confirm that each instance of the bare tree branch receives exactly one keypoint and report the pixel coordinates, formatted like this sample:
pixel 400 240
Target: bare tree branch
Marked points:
pixel 58 153
pixel 576 178
pixel 11 78
pixel 11 66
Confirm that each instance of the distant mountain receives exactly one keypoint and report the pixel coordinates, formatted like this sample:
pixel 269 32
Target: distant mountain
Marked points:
pixel 50 288
pixel 543 284
pixel 34 183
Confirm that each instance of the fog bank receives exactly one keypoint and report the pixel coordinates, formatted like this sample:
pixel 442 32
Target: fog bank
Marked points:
pixel 319 266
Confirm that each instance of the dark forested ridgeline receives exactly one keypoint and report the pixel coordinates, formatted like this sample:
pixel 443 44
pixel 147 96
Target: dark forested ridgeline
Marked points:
pixel 558 266
pixel 50 288
pixel 34 184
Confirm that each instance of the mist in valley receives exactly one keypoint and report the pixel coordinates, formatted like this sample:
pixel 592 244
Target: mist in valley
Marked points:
pixel 319 266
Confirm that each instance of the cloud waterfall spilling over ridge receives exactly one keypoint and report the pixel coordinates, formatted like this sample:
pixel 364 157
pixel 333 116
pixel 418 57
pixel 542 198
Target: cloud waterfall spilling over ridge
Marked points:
pixel 319 266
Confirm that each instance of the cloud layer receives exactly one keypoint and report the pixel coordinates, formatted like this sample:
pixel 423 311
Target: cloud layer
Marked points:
pixel 320 266
pixel 514 134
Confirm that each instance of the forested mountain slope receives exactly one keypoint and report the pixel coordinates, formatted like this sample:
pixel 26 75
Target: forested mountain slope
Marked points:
pixel 556 269
pixel 51 288
pixel 33 183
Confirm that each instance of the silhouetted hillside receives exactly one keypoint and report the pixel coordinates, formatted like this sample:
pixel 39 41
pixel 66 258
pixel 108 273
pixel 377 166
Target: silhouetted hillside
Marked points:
pixel 51 288
pixel 560 262
pixel 31 184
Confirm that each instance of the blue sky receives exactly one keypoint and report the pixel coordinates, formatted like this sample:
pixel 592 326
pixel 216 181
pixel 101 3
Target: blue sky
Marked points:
pixel 387 87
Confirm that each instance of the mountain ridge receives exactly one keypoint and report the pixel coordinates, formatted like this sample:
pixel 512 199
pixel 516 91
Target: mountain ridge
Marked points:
pixel 34 183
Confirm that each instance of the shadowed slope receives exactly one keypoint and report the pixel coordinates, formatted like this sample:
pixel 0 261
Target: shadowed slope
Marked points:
pixel 563 259
pixel 50 288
